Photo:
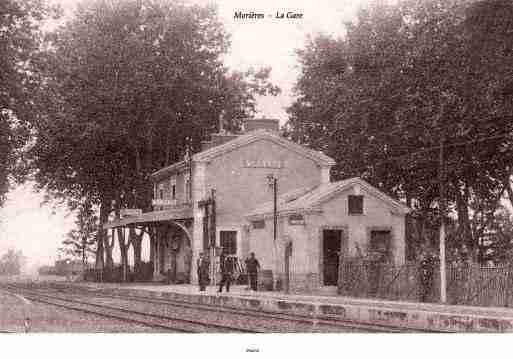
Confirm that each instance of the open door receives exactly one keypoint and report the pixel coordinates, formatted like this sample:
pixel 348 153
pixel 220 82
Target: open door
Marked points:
pixel 331 244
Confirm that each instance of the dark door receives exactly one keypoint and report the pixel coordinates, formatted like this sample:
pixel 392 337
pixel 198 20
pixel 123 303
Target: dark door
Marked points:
pixel 331 244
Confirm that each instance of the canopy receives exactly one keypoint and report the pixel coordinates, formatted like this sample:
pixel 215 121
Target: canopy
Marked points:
pixel 150 217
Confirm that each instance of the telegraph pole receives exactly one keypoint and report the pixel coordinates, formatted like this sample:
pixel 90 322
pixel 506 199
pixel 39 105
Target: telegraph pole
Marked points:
pixel 213 231
pixel 275 207
pixel 441 179
pixel 272 181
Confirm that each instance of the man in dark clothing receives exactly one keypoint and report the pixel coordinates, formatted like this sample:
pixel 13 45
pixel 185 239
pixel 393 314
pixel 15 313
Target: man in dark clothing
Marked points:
pixel 226 264
pixel 252 267
pixel 203 267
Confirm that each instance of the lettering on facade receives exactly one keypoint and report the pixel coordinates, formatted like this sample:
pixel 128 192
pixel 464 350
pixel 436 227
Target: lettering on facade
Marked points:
pixel 263 164
pixel 296 220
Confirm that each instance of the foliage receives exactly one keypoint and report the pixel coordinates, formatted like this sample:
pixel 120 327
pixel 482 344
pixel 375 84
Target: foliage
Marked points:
pixel 81 242
pixel 497 236
pixel 20 38
pixel 130 86
pixel 405 78
pixel 11 262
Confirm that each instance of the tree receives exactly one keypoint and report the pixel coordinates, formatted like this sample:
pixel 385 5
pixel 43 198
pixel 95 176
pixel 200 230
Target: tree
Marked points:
pixel 497 239
pixel 405 79
pixel 131 85
pixel 11 262
pixel 20 38
pixel 81 242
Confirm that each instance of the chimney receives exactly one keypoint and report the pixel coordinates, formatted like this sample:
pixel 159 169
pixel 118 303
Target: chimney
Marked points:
pixel 268 124
pixel 222 136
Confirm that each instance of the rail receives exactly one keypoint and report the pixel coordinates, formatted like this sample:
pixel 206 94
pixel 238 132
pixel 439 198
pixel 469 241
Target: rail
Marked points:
pixel 317 322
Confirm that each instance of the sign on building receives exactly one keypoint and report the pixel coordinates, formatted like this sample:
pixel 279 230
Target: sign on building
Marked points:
pixel 263 164
pixel 125 212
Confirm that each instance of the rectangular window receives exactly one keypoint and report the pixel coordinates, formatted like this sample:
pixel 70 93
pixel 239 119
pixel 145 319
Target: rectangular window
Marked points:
pixel 161 191
pixel 355 204
pixel 173 188
pixel 228 241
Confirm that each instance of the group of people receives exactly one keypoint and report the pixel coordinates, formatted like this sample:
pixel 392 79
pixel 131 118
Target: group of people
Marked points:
pixel 227 269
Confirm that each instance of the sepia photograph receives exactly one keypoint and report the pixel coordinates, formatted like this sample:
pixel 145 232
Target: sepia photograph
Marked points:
pixel 327 168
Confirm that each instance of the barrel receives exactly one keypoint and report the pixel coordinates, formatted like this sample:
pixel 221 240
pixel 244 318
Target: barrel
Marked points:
pixel 265 279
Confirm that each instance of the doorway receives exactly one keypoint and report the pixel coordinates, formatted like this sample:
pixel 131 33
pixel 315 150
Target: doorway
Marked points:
pixel 331 246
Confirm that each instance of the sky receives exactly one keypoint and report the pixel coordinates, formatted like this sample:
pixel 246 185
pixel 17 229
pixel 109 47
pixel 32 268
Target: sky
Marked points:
pixel 37 230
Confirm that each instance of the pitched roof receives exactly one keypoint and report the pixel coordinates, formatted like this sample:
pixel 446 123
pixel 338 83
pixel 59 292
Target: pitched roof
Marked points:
pixel 257 135
pixel 309 199
pixel 183 212
pixel 243 140
pixel 175 167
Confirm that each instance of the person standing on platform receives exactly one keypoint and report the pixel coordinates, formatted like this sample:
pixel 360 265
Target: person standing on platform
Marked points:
pixel 226 267
pixel 203 267
pixel 252 267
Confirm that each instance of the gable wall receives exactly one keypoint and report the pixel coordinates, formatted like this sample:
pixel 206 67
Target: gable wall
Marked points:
pixel 306 260
pixel 239 188
pixel 377 215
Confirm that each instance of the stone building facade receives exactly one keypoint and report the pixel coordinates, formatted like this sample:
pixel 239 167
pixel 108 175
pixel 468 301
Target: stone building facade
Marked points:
pixel 321 227
pixel 233 172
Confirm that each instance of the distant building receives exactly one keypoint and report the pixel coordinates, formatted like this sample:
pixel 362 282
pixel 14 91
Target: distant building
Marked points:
pixel 63 267
pixel 68 266
pixel 222 197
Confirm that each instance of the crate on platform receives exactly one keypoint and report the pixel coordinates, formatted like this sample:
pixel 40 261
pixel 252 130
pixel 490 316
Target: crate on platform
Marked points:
pixel 265 280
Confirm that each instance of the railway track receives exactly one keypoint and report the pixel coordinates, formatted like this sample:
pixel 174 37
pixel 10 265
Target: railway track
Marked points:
pixel 319 323
pixel 159 322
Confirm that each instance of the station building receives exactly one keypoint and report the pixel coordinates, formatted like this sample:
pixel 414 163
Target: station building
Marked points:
pixel 259 192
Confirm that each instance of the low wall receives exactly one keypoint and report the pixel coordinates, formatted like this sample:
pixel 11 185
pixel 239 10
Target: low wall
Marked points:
pixel 390 314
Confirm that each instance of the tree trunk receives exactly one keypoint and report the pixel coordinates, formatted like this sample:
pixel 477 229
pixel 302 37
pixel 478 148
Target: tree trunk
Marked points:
pixel 109 245
pixel 509 189
pixel 465 230
pixel 123 250
pixel 153 242
pixel 136 241
pixel 105 207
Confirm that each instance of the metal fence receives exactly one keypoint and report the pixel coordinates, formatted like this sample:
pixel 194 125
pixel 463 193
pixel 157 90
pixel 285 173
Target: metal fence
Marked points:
pixel 467 284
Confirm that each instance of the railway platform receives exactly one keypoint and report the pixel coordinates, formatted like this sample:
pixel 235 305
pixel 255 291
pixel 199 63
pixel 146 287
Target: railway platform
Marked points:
pixel 422 316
